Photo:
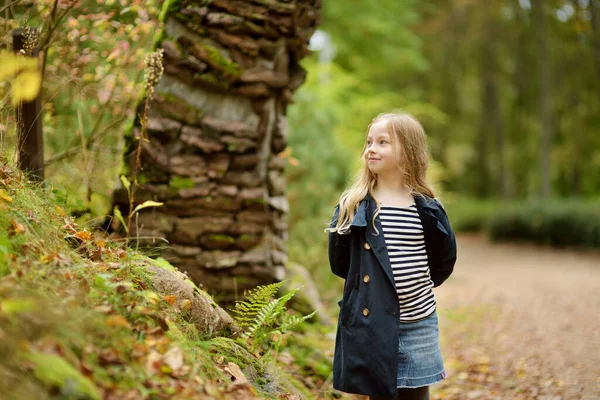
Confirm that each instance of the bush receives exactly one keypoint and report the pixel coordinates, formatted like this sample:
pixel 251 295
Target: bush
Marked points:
pixel 566 223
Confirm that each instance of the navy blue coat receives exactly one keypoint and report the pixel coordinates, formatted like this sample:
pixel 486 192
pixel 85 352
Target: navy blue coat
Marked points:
pixel 366 346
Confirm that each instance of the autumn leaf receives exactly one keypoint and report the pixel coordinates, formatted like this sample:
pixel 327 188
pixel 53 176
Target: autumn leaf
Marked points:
pixel 60 211
pixel 15 228
pixel 170 299
pixel 11 64
pixel 146 204
pixel 48 258
pixel 117 320
pixel 26 87
pixel 4 196
pixel 84 236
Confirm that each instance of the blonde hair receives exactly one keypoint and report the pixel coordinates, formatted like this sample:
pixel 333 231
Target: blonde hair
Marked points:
pixel 410 145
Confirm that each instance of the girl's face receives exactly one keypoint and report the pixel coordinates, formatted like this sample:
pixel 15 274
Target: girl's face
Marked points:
pixel 379 153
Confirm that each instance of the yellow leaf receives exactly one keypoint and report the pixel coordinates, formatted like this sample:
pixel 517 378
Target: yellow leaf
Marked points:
pixel 27 86
pixel 4 196
pixel 148 203
pixel 185 305
pixel 49 258
pixel 83 235
pixel 117 320
pixel 60 211
pixel 16 227
pixel 10 64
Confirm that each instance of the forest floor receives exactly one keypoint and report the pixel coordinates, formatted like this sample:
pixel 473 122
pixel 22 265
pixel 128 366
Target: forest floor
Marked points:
pixel 519 322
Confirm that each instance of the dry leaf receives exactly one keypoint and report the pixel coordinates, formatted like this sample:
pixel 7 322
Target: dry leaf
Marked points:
pixel 153 362
pixel 83 236
pixel 15 228
pixel 4 196
pixel 173 358
pixel 234 370
pixel 117 320
pixel 170 299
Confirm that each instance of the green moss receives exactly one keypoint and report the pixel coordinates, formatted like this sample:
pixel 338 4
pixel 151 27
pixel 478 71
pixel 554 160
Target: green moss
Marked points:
pixel 229 67
pixel 178 183
pixel 221 238
pixel 54 372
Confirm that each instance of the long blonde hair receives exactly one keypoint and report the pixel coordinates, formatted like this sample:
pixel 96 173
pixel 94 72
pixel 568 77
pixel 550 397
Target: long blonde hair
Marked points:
pixel 410 145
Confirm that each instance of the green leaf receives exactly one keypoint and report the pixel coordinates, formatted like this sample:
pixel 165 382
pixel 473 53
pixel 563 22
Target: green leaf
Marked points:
pixel 146 204
pixel 119 216
pixel 16 306
pixel 126 183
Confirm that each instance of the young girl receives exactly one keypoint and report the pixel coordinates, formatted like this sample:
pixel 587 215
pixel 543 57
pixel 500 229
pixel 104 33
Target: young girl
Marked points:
pixel 391 241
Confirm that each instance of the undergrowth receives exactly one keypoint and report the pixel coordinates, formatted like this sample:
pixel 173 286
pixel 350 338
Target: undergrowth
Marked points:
pixel 79 318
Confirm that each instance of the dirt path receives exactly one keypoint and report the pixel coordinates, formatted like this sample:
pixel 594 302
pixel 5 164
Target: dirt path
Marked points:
pixel 520 322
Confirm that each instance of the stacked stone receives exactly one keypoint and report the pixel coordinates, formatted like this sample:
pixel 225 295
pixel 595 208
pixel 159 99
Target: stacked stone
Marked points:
pixel 215 136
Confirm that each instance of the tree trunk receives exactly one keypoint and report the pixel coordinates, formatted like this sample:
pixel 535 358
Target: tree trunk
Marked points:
pixel 492 115
pixel 537 9
pixel 595 16
pixel 216 129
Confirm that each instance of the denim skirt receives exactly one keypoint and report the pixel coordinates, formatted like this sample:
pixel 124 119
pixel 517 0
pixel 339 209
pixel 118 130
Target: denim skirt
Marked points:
pixel 421 362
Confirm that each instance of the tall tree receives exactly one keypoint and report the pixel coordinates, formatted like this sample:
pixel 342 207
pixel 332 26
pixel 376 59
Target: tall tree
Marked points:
pixel 545 93
pixel 216 131
pixel 492 122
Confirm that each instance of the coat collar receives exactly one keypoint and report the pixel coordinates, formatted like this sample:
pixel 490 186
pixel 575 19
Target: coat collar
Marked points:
pixel 369 203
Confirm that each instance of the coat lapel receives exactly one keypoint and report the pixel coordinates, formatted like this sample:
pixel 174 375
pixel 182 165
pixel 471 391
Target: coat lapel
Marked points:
pixel 367 208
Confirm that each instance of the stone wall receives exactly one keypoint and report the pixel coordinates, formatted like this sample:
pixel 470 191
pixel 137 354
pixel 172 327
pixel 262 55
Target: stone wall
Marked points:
pixel 216 129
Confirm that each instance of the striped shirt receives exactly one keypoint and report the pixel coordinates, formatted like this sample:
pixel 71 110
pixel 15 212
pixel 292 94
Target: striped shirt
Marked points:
pixel 405 242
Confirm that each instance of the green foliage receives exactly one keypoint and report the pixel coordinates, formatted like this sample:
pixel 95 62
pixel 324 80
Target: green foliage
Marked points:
pixel 555 223
pixel 261 315
pixel 60 310
pixel 57 374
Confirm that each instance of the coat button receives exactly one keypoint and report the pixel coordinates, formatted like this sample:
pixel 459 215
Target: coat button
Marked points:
pixel 366 278
pixel 365 311
pixel 367 246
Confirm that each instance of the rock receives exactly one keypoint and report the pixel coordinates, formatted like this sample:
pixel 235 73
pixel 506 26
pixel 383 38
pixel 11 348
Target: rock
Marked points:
pixel 204 313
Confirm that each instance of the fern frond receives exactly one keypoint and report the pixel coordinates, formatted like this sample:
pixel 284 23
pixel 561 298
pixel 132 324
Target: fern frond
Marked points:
pixel 295 320
pixel 264 314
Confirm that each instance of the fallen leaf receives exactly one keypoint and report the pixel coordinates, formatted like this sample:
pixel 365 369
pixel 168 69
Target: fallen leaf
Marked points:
pixel 153 362
pixel 4 196
pixel 117 320
pixel 234 370
pixel 83 236
pixel 173 358
pixel 15 228
pixel 104 308
pixel 170 299
pixel 49 258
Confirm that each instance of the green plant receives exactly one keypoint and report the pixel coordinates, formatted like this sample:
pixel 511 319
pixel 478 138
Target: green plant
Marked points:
pixel 261 316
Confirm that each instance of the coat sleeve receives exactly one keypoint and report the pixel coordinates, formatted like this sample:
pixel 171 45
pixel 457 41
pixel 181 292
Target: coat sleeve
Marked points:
pixel 447 249
pixel 339 249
